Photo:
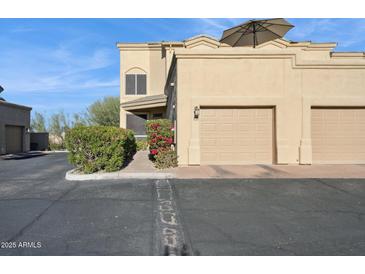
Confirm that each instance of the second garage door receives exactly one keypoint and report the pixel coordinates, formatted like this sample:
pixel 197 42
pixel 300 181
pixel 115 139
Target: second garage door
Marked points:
pixel 236 135
pixel 338 135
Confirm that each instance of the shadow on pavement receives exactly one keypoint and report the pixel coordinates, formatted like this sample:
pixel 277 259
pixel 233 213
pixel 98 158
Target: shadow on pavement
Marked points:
pixel 21 156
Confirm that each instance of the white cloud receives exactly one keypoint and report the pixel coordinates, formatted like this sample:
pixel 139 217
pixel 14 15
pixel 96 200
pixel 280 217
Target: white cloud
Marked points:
pixel 347 32
pixel 215 26
pixel 213 23
pixel 100 84
pixel 309 27
pixel 50 69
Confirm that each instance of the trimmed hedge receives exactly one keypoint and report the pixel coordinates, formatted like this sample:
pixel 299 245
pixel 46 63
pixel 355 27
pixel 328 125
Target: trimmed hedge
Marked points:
pixel 97 148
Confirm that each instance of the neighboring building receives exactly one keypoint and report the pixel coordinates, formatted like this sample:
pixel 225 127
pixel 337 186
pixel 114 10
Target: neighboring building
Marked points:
pixel 39 140
pixel 14 128
pixel 279 103
pixel 57 140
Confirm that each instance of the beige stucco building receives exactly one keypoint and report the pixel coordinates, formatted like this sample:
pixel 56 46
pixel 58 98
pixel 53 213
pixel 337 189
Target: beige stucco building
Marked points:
pixel 279 103
pixel 14 128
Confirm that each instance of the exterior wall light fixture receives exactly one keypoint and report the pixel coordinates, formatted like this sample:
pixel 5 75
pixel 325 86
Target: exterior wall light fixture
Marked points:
pixel 196 112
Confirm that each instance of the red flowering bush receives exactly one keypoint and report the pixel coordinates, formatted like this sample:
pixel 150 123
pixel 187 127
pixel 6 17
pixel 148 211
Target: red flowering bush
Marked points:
pixel 159 134
pixel 160 137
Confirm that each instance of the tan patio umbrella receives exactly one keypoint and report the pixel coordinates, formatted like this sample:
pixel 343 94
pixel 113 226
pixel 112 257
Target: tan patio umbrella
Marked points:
pixel 256 32
pixel 1 90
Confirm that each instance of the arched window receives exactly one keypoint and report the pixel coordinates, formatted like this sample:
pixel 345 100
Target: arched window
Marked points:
pixel 135 82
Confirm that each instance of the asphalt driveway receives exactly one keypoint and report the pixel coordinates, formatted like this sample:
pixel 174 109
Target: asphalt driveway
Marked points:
pixel 70 218
pixel 42 214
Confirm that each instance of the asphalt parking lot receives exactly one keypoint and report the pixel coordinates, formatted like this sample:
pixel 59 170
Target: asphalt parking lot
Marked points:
pixel 43 214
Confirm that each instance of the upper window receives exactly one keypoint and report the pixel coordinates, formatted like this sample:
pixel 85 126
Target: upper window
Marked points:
pixel 135 84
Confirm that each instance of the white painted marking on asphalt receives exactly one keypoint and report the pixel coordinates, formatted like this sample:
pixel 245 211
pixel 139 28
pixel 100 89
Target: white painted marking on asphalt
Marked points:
pixel 168 220
pixel 170 238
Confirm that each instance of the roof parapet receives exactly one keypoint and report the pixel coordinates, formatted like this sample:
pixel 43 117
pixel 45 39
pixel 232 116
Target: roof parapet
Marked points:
pixel 147 46
pixel 213 42
pixel 348 55
pixel 6 103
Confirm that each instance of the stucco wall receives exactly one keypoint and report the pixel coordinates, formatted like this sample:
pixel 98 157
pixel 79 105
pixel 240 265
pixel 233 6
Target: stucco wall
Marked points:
pixel 152 59
pixel 289 76
pixel 289 80
pixel 132 62
pixel 11 114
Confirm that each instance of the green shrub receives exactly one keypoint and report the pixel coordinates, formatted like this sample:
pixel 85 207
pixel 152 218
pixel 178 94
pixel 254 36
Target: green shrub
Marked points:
pixel 54 146
pixel 97 148
pixel 142 145
pixel 165 158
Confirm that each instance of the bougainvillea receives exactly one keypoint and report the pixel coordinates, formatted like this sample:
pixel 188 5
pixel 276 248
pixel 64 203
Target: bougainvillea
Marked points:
pixel 160 138
pixel 160 135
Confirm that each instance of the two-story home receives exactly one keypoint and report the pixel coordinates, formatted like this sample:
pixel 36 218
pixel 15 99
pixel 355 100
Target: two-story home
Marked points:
pixel 279 103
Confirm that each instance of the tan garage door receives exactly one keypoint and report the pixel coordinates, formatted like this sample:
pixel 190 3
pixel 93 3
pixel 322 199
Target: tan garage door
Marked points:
pixel 14 139
pixel 338 135
pixel 236 135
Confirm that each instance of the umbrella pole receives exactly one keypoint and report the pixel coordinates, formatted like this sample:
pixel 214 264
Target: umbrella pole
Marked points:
pixel 254 35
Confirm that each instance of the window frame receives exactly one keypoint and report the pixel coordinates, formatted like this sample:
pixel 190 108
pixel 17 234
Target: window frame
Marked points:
pixel 135 84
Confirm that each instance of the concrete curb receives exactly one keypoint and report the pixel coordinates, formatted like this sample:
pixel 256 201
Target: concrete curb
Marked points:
pixel 71 176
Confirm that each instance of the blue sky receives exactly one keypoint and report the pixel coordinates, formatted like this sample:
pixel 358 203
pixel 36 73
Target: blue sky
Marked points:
pixel 66 64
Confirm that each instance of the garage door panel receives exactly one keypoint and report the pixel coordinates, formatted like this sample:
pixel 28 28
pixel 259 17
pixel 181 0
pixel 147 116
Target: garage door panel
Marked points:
pixel 226 126
pixel 209 127
pixel 225 156
pixel 239 135
pixel 244 140
pixel 208 113
pixel 361 119
pixel 245 112
pixel 262 156
pixel 225 142
pixel 245 129
pixel 262 134
pixel 208 156
pixel 338 135
pixel 208 142
pixel 262 144
pixel 13 139
pixel 239 156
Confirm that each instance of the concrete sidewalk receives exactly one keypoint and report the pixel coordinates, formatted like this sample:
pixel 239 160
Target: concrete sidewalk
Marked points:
pixel 142 168
pixel 270 171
